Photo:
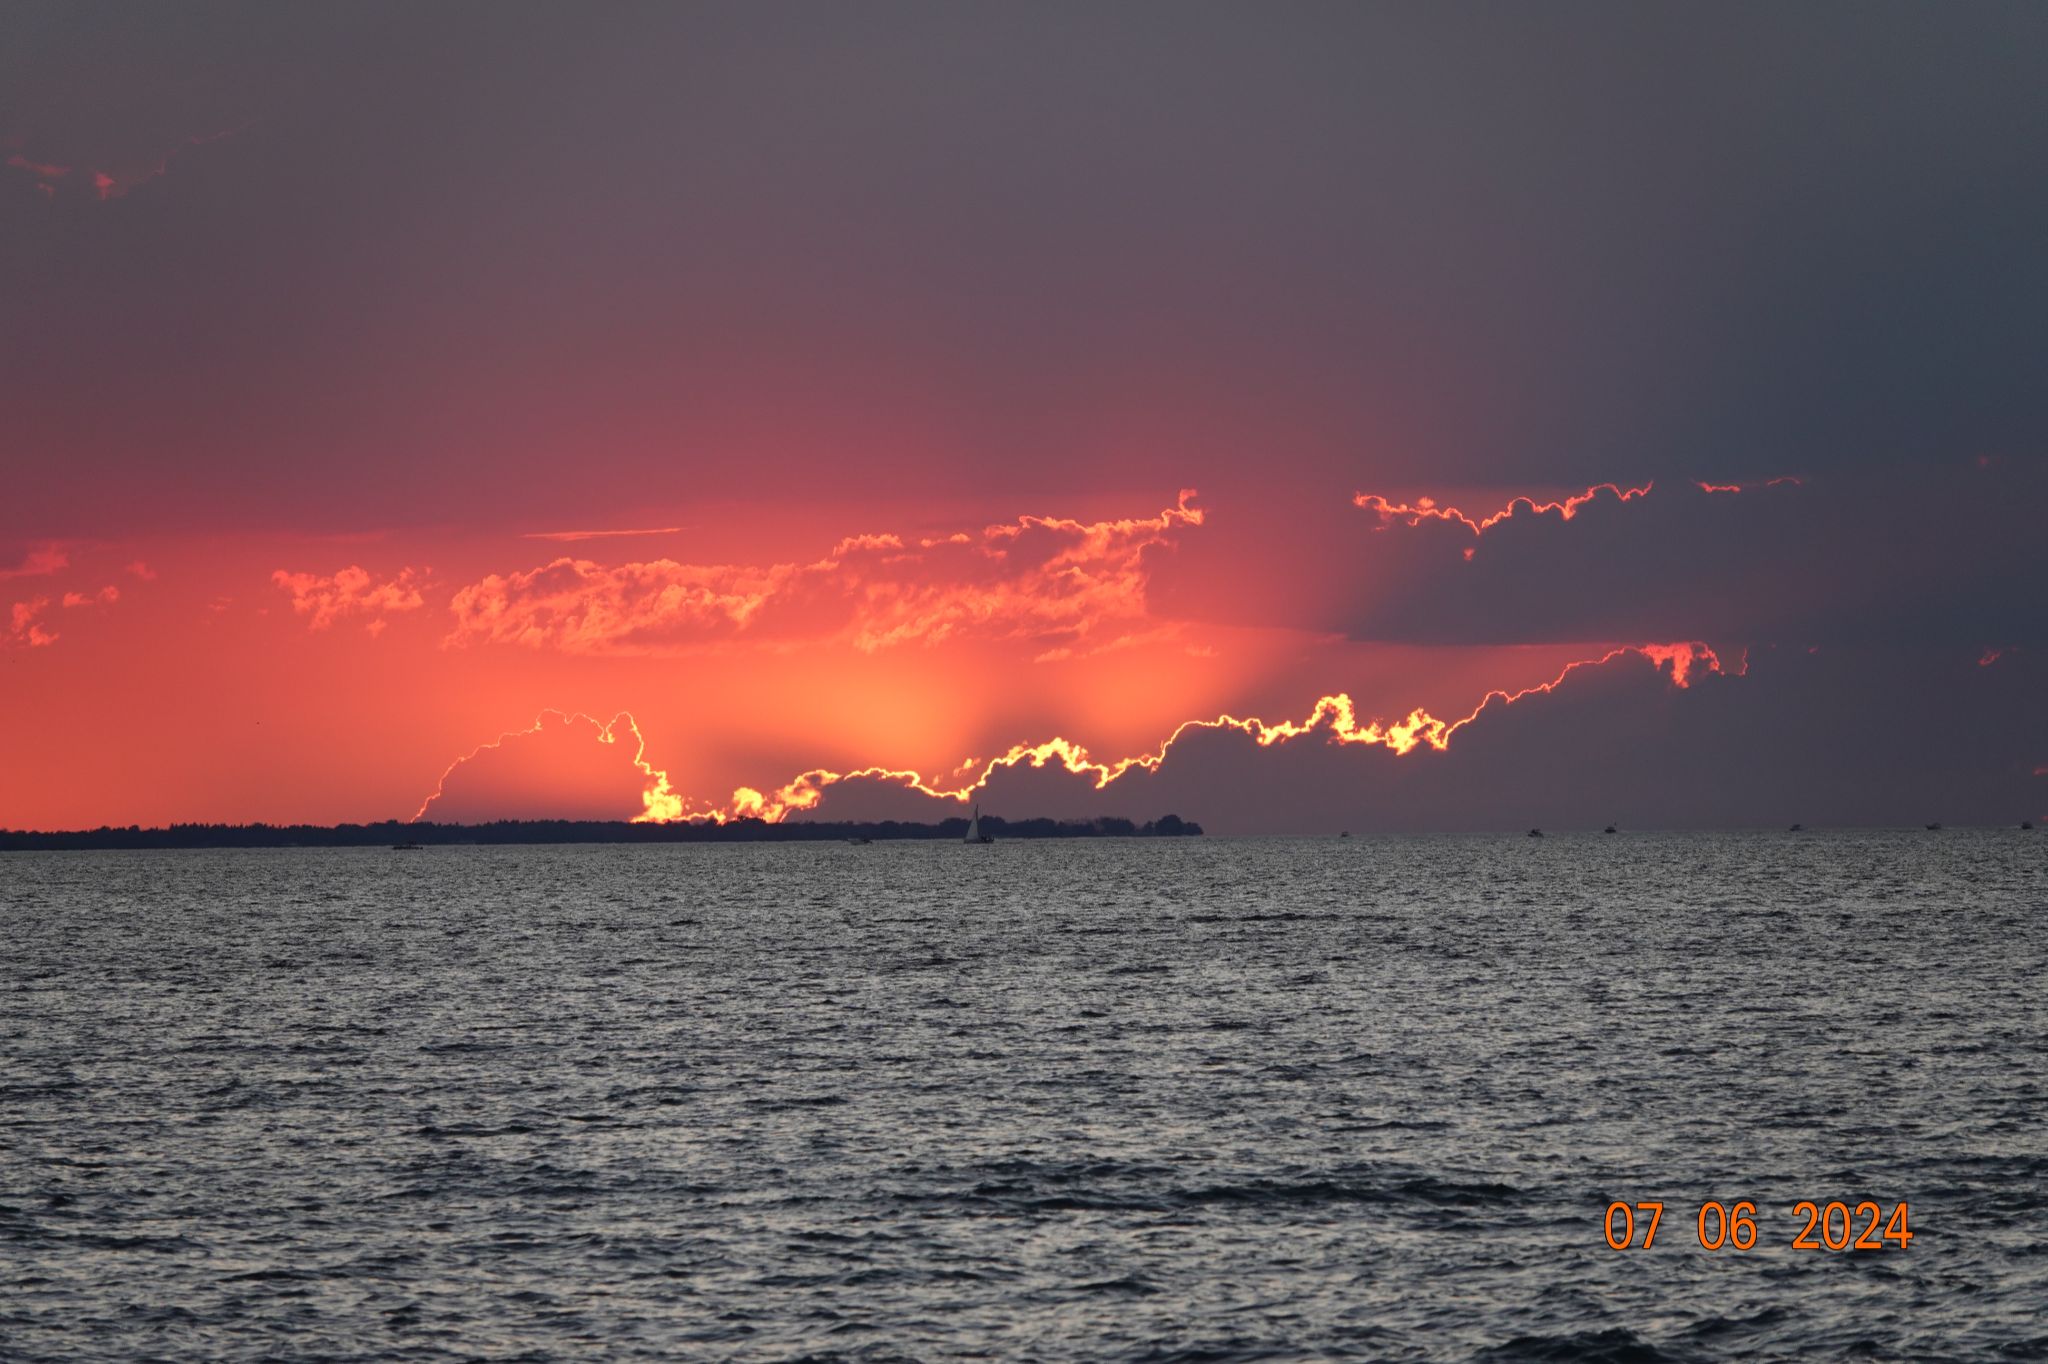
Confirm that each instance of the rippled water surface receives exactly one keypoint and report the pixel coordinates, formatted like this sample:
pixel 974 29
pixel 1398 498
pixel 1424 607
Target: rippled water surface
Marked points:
pixel 1169 1099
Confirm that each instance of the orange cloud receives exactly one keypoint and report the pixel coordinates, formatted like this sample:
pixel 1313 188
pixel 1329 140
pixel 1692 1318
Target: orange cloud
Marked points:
pixel 106 596
pixel 351 592
pixel 1070 585
pixel 580 606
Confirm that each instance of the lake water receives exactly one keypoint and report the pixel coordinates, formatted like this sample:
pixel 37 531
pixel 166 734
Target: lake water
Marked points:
pixel 1151 1100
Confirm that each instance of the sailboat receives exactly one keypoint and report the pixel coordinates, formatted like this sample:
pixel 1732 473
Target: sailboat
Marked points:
pixel 974 833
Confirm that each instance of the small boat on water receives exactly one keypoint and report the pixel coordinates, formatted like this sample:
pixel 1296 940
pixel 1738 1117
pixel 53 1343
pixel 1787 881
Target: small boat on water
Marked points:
pixel 1535 833
pixel 860 842
pixel 1796 828
pixel 1935 827
pixel 1608 830
pixel 2026 824
pixel 405 847
pixel 974 833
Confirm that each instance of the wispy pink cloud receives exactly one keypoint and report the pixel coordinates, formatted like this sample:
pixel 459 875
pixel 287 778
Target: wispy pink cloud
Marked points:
pixel 41 170
pixel 38 561
pixel 600 534
pixel 111 182
pixel 25 626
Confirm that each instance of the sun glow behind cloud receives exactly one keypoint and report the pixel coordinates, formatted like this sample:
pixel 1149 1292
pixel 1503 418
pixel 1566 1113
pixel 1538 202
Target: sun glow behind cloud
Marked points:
pixel 1334 718
pixel 877 665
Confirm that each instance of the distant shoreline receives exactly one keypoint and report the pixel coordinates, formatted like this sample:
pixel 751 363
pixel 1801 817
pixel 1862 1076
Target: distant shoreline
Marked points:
pixel 396 833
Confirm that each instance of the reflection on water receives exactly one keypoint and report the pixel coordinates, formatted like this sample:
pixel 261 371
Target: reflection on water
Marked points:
pixel 1149 1100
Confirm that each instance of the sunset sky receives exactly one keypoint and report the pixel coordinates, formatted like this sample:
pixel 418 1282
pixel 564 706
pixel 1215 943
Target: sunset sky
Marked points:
pixel 1295 417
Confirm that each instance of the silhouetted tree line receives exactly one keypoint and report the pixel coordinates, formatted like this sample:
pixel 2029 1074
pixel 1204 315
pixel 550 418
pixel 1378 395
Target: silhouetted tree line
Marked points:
pixel 391 832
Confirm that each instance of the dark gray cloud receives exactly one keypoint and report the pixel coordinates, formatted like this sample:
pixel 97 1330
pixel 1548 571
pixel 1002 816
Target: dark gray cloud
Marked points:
pixel 700 247
pixel 1950 556
pixel 1866 736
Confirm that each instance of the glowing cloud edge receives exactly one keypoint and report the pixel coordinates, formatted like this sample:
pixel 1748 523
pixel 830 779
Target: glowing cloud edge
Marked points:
pixel 1335 715
pixel 661 801
pixel 1564 508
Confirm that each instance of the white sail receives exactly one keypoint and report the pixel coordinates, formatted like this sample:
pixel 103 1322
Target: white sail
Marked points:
pixel 974 827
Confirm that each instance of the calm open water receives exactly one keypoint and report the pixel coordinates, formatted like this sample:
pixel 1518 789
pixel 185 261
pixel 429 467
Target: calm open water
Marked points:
pixel 1148 1100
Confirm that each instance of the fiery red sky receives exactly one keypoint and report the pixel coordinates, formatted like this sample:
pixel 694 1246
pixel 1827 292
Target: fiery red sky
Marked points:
pixel 1295 418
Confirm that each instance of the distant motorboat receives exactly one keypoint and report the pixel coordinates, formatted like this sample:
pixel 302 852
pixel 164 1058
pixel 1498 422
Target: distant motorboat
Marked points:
pixel 1608 830
pixel 405 847
pixel 1935 827
pixel 1535 833
pixel 860 842
pixel 2026 824
pixel 1796 828
pixel 974 833
pixel 1345 834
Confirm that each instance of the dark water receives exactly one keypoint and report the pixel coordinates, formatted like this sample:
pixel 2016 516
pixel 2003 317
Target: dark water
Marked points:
pixel 1093 1100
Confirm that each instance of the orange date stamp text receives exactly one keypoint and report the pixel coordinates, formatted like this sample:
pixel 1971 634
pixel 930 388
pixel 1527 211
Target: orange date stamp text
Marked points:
pixel 1834 1225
